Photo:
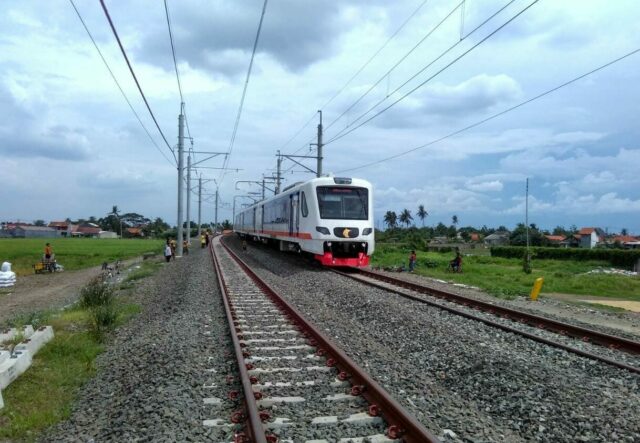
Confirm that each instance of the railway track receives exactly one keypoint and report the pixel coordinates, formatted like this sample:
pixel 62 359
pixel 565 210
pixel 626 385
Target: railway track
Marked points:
pixel 464 306
pixel 297 385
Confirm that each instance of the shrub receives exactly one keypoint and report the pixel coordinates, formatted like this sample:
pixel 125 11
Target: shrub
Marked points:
pixel 103 319
pixel 617 257
pixel 96 293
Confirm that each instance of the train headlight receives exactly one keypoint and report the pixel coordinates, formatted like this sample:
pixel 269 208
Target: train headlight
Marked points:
pixel 323 230
pixel 367 231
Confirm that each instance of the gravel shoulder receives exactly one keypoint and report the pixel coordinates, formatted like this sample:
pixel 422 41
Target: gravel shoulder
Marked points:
pixel 158 369
pixel 562 308
pixel 464 381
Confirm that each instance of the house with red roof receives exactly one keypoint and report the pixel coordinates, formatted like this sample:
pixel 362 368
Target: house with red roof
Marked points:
pixel 590 237
pixel 555 240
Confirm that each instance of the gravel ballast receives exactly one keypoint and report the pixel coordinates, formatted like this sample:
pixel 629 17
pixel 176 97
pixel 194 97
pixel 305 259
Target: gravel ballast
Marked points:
pixel 465 381
pixel 165 372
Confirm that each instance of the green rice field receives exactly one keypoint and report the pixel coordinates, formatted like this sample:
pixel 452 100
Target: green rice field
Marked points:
pixel 73 253
pixel 504 277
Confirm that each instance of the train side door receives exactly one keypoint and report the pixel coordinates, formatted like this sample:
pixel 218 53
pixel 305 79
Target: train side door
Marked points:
pixel 254 219
pixel 294 221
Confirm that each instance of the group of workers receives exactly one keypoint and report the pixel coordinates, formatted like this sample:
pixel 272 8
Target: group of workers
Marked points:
pixel 170 247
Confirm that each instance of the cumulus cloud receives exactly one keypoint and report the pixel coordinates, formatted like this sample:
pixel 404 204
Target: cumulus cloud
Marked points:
pixel 479 93
pixel 493 186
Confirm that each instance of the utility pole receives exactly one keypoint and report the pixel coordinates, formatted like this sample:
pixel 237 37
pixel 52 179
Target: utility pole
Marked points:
pixel 263 187
pixel 526 212
pixel 180 179
pixel 278 173
pixel 319 168
pixel 216 218
pixel 189 198
pixel 199 206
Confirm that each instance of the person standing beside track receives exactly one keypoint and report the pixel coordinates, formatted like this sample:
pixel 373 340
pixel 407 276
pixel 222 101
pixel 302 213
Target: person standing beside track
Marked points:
pixel 167 251
pixel 412 261
pixel 203 240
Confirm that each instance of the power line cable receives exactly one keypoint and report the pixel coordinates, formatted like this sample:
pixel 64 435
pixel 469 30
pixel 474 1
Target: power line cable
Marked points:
pixel 117 83
pixel 424 68
pixel 455 60
pixel 175 65
pixel 133 74
pixel 314 116
pixel 403 58
pixel 244 91
pixel 496 115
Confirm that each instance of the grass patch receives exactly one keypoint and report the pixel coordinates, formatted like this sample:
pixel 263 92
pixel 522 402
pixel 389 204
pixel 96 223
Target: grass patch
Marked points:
pixel 73 253
pixel 147 268
pixel 503 277
pixel 44 394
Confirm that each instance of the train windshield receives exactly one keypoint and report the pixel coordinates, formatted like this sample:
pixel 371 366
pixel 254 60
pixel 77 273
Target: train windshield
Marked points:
pixel 338 202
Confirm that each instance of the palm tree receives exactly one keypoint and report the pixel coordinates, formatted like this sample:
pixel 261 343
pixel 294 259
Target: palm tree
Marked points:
pixel 405 217
pixel 116 213
pixel 391 219
pixel 422 214
pixel 454 220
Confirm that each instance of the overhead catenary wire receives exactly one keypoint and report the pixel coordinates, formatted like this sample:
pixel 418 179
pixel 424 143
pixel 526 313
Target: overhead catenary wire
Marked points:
pixel 244 91
pixel 346 131
pixel 396 64
pixel 353 77
pixel 118 84
pixel 498 114
pixel 133 74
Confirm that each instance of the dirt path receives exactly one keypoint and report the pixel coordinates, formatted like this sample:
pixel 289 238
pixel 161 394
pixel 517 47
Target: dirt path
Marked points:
pixel 46 291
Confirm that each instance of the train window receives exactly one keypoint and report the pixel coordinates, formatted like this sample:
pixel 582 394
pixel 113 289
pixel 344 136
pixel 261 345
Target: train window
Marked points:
pixel 303 206
pixel 347 203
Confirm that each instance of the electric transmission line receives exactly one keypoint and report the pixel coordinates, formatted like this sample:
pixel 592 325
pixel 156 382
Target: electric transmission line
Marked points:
pixel 133 74
pixel 498 114
pixel 345 131
pixel 118 84
pixel 244 92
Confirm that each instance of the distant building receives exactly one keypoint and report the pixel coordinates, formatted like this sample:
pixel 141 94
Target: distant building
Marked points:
pixel 35 232
pixel 474 237
pixel 555 240
pixel 85 230
pixel 135 232
pixel 107 234
pixel 590 237
pixel 498 238
pixel 572 241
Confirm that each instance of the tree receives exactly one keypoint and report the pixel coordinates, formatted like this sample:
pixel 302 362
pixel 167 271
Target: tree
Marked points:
pixel 559 230
pixel 39 223
pixel 422 214
pixel 227 225
pixel 391 219
pixel 624 231
pixel 405 217
pixel 454 220
pixel 116 213
pixel 441 230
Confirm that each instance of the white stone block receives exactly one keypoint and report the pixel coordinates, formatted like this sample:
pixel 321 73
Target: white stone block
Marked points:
pixel 11 368
pixel 36 340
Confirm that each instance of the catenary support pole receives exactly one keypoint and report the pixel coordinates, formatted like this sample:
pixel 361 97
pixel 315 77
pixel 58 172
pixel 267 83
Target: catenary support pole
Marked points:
pixel 319 168
pixel 263 188
pixel 216 215
pixel 278 173
pixel 189 198
pixel 180 179
pixel 199 206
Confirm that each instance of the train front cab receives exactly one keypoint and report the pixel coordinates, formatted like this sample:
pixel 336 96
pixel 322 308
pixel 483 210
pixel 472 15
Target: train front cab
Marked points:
pixel 344 214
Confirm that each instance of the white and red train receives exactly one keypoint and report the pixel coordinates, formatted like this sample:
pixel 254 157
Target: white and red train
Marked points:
pixel 328 217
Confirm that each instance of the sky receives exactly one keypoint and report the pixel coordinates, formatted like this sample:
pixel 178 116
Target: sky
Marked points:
pixel 70 146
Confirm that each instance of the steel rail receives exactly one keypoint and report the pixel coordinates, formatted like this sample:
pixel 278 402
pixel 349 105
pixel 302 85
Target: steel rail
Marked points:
pixel 402 425
pixel 255 429
pixel 522 317
pixel 599 338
